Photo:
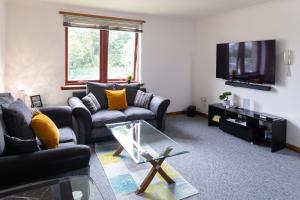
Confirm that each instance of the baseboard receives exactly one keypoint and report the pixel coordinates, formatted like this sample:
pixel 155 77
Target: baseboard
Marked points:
pixel 184 112
pixel 202 114
pixel 175 113
pixel 293 148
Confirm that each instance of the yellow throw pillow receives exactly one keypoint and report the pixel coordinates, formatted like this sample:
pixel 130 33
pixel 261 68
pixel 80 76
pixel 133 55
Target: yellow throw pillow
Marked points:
pixel 45 129
pixel 116 99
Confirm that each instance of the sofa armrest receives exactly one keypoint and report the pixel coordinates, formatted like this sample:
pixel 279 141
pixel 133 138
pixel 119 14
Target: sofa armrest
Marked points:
pixel 61 115
pixel 159 106
pixel 83 118
pixel 24 167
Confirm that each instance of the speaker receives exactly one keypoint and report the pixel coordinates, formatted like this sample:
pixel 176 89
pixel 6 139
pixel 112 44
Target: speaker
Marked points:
pixel 191 111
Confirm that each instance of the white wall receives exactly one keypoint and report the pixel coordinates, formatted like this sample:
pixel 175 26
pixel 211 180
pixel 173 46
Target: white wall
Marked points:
pixel 35 52
pixel 275 20
pixel 2 43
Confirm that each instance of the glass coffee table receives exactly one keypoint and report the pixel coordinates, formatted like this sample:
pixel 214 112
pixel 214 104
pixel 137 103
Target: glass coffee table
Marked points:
pixel 144 143
pixel 66 188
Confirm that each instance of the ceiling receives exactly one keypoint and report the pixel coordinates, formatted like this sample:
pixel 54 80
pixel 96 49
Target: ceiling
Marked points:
pixel 179 8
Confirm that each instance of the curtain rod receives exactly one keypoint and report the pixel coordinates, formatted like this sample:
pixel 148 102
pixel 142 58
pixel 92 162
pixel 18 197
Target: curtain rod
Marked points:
pixel 99 16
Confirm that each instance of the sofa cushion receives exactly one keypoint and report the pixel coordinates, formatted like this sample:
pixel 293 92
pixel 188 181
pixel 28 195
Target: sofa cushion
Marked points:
pixel 131 90
pixel 45 129
pixel 116 99
pixel 5 99
pixel 98 90
pixel 66 144
pixel 66 134
pixel 136 113
pixel 17 146
pixel 17 118
pixel 103 117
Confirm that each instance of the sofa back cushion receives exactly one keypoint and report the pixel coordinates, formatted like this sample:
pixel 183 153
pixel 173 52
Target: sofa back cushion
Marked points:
pixel 79 94
pixel 131 90
pixel 98 90
pixel 5 99
pixel 17 117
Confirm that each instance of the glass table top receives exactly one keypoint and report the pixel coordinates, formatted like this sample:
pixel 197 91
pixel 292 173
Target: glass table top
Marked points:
pixel 66 188
pixel 143 142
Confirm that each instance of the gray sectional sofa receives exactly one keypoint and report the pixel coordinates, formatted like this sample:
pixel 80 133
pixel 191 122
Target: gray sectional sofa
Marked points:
pixel 91 127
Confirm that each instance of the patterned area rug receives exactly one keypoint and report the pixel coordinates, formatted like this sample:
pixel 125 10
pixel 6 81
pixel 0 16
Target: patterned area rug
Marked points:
pixel 125 176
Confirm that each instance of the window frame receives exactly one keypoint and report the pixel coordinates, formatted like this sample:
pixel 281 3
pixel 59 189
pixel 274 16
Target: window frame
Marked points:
pixel 103 64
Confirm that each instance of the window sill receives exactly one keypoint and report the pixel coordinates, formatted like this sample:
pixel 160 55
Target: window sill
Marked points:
pixel 73 87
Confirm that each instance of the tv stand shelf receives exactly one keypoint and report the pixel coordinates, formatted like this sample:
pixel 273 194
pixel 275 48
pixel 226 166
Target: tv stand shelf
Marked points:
pixel 248 85
pixel 251 130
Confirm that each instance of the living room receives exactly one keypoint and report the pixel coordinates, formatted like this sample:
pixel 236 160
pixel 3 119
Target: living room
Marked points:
pixel 175 59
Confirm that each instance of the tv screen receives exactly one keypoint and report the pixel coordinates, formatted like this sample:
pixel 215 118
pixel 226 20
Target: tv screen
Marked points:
pixel 252 62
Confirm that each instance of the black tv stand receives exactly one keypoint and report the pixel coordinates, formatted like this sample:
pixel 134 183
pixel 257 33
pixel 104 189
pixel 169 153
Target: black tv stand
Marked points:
pixel 251 128
pixel 248 85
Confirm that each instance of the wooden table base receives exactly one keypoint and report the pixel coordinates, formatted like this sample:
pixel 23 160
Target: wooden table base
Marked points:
pixel 118 151
pixel 156 168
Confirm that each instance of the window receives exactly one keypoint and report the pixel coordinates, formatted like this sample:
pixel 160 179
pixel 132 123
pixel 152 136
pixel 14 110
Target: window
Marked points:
pixel 100 48
pixel 100 55
pixel 90 59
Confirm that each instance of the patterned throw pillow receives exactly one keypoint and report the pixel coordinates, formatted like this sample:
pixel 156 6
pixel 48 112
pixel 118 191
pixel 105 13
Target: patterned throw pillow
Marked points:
pixel 91 103
pixel 142 99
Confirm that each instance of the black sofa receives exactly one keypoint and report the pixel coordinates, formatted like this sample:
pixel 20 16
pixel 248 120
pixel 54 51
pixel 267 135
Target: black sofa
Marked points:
pixel 26 167
pixel 91 127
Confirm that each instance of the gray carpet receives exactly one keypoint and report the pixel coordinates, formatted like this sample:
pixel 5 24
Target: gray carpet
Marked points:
pixel 221 166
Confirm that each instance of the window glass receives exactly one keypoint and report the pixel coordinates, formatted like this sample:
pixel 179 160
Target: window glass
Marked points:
pixel 121 49
pixel 83 54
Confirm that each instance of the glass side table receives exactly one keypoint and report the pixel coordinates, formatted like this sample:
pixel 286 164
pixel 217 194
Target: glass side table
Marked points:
pixel 67 188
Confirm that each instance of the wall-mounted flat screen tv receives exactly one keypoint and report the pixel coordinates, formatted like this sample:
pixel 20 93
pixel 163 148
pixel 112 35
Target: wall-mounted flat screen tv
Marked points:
pixel 252 62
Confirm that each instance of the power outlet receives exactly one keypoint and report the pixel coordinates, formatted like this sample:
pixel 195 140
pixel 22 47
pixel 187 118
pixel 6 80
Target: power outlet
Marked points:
pixel 203 99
